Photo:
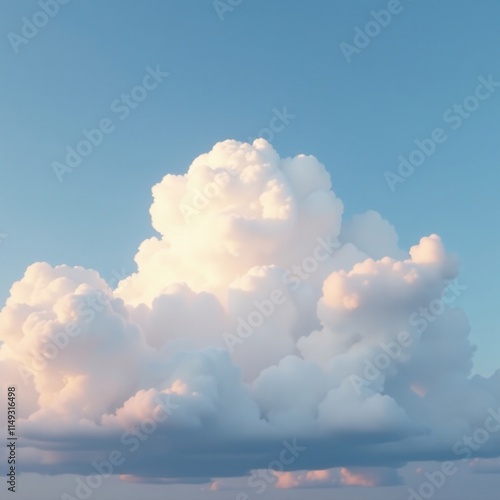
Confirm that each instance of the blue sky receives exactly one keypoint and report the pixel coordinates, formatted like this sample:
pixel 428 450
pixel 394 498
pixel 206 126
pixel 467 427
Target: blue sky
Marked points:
pixel 226 79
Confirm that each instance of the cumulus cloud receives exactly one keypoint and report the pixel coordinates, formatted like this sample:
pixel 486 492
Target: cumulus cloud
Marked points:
pixel 256 317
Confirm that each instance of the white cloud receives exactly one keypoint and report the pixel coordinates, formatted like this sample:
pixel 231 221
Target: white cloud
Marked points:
pixel 241 226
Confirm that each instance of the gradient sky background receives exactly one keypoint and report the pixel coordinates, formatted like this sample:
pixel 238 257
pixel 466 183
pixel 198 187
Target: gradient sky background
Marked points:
pixel 226 77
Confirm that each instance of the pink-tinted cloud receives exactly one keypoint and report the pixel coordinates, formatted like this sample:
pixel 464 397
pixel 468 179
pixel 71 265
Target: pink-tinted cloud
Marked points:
pixel 252 247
